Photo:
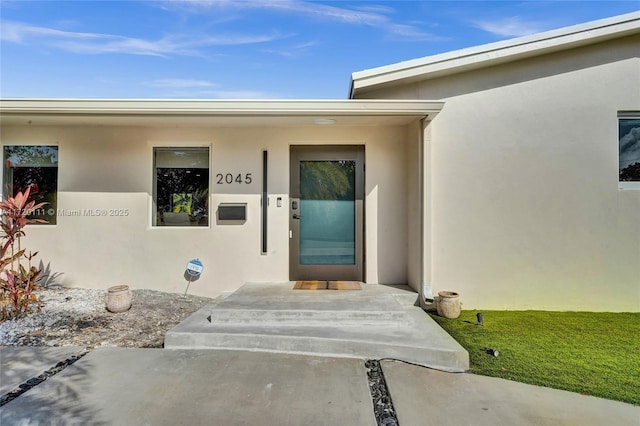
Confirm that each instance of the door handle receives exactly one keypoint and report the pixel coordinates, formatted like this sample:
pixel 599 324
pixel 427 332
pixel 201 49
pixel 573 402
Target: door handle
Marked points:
pixel 296 216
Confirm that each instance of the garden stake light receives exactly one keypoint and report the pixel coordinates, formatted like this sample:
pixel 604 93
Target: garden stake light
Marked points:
pixel 492 352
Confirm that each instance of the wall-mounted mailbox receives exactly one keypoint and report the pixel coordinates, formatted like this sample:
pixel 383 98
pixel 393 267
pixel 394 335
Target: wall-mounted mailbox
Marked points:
pixel 236 212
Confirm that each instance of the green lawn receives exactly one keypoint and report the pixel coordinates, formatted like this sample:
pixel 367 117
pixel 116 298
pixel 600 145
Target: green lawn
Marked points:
pixel 590 353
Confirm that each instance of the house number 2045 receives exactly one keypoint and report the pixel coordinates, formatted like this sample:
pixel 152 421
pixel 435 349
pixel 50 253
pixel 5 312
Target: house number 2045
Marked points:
pixel 230 178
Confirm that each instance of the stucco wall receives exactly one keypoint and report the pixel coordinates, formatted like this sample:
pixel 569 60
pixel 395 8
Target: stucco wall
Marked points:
pixel 112 168
pixel 414 239
pixel 526 210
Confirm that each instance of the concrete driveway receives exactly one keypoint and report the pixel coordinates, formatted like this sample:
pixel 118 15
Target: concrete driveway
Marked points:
pixel 118 386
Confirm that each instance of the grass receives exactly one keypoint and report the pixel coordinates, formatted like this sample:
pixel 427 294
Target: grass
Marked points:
pixel 590 353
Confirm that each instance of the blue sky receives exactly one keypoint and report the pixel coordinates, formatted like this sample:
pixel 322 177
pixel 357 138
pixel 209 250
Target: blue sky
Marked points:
pixel 247 49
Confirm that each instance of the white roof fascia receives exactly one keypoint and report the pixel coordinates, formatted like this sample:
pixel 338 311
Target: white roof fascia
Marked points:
pixel 498 52
pixel 210 108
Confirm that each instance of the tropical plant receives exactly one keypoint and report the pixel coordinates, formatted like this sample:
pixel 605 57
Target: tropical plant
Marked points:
pixel 17 281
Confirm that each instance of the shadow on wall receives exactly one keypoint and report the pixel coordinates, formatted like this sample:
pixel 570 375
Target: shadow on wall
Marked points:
pixel 48 278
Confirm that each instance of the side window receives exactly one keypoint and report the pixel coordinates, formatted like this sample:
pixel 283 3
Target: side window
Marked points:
pixel 629 151
pixel 181 187
pixel 35 167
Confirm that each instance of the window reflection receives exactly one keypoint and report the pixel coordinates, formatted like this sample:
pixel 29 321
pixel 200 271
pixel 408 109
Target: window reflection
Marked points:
pixel 34 167
pixel 327 211
pixel 181 186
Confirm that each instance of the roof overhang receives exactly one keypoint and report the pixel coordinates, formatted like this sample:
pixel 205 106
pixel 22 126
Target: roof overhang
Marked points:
pixel 213 113
pixel 496 53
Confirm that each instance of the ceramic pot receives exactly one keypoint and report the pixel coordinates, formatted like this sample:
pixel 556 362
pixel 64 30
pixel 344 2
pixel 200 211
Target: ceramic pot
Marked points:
pixel 118 298
pixel 448 304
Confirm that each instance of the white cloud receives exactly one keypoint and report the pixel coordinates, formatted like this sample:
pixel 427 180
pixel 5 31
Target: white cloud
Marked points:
pixel 17 32
pixel 242 94
pixel 411 32
pixel 125 45
pixel 96 43
pixel 190 93
pixel 510 27
pixel 293 6
pixel 322 11
pixel 179 83
pixel 196 89
pixel 293 51
pixel 373 16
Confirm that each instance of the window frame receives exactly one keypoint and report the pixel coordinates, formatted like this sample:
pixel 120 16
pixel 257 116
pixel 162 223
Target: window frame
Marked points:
pixel 626 115
pixel 153 219
pixel 4 184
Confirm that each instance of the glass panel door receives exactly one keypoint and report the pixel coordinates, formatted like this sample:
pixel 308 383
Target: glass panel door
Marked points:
pixel 326 209
pixel 327 212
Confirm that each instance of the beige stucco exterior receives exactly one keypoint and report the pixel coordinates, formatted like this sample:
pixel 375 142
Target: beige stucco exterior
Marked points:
pixel 110 167
pixel 526 210
pixel 490 171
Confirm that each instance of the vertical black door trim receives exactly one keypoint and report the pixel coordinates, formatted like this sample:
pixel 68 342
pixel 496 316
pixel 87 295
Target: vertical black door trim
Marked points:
pixel 265 202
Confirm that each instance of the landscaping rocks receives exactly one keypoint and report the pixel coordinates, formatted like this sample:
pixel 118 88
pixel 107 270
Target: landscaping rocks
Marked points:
pixel 75 316
pixel 382 405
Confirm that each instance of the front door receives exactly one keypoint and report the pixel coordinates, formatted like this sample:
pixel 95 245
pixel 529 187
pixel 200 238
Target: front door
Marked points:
pixel 326 213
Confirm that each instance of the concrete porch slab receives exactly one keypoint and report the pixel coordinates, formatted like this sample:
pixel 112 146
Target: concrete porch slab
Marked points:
pixel 377 322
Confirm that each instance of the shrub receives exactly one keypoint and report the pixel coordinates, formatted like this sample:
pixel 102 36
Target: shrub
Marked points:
pixel 17 280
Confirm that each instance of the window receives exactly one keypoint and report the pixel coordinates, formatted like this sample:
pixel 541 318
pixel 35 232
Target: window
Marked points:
pixel 629 150
pixel 181 187
pixel 34 167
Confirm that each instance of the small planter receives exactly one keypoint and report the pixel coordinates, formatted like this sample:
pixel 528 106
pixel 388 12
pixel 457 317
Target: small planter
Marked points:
pixel 118 298
pixel 448 304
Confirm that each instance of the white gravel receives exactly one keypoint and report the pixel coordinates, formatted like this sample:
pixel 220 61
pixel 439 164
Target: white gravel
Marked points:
pixel 56 305
pixel 78 317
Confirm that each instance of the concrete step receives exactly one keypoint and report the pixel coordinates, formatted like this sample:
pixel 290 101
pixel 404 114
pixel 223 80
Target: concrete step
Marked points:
pixel 300 317
pixel 407 299
pixel 343 346
pixel 424 343
pixel 375 323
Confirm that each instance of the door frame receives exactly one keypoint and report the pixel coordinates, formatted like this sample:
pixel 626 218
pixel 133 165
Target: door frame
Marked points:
pixel 299 153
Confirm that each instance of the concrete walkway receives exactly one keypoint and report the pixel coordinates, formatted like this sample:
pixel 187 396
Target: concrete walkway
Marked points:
pixel 117 386
pixel 21 364
pixel 376 322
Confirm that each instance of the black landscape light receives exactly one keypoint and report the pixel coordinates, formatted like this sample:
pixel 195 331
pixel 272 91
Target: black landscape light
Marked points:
pixel 480 318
